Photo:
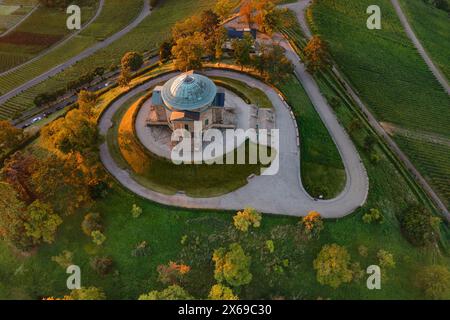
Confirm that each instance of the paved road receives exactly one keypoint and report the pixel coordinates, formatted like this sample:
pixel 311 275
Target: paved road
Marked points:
pixel 282 193
pixel 299 8
pixel 59 44
pixel 409 31
pixel 88 52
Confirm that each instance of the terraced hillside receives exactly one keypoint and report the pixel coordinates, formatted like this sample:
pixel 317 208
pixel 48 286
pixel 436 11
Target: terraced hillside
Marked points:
pixel 109 22
pixel 391 78
pixel 36 32
pixel 146 36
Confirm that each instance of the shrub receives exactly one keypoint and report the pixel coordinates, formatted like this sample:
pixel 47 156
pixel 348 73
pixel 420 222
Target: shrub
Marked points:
pixel 92 222
pixel 385 259
pixel 101 265
pixel 373 216
pixel 141 250
pixel 64 259
pixel 435 282
pixel 136 211
pixel 98 238
pixel 417 226
pixel 244 219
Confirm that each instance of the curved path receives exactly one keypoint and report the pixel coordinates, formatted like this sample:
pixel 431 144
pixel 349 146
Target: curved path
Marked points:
pixel 88 52
pixel 14 27
pixel 59 44
pixel 282 193
pixel 299 8
pixel 409 31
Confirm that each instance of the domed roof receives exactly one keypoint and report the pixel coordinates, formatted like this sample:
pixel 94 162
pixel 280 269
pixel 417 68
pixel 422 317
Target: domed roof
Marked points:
pixel 189 91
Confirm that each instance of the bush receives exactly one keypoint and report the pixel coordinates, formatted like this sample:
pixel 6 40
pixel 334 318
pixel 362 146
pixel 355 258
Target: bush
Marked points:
pixel 417 226
pixel 102 265
pixel 141 250
pixel 136 211
pixel 98 238
pixel 92 222
pixel 374 216
pixel 64 259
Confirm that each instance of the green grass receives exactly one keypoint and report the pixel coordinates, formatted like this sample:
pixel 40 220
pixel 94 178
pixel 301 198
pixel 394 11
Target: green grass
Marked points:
pixel 321 166
pixel 252 95
pixel 162 175
pixel 431 26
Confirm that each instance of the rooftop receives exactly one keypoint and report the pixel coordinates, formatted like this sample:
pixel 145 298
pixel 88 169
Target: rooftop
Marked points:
pixel 188 91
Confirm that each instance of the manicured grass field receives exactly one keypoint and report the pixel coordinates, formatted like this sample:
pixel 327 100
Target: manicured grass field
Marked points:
pixel 390 76
pixel 152 31
pixel 431 26
pixel 323 173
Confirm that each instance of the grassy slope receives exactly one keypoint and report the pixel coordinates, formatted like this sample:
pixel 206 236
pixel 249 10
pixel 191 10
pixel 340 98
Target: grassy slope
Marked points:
pixel 389 74
pixel 146 36
pixel 432 27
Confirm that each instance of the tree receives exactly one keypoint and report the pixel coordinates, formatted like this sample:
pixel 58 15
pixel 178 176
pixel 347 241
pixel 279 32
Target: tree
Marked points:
pixel 244 219
pixel 98 237
pixel 373 216
pixel 417 225
pixel 90 293
pixel 333 266
pixel 210 22
pixel 219 40
pixel 101 265
pixel 224 8
pixel 136 211
pixel 64 259
pixel 131 61
pixel 174 292
pixel 124 78
pixel 41 223
pixel 86 102
pixel 232 266
pixel 385 259
pixel 312 224
pixel 189 51
pixel 165 50
pixel 12 217
pixel 435 282
pixel 277 67
pixel 10 136
pixel 221 292
pixel 17 171
pixel 316 55
pixel 172 273
pixel 242 49
pixel 91 222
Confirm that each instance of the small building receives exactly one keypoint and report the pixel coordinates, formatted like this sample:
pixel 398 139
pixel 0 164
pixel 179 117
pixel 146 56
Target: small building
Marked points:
pixel 185 99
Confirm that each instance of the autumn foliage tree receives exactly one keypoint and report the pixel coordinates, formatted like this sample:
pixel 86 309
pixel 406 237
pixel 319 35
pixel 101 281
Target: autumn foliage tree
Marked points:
pixel 172 273
pixel 312 224
pixel 188 51
pixel 10 136
pixel 173 292
pixel 221 292
pixel 247 218
pixel 434 281
pixel 316 54
pixel 333 266
pixel 232 265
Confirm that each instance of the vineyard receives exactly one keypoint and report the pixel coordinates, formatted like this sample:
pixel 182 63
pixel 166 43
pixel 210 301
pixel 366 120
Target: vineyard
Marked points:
pixel 432 160
pixel 431 26
pixel 146 36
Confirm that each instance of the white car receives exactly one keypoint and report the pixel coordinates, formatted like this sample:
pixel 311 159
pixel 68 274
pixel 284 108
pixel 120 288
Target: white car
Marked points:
pixel 36 119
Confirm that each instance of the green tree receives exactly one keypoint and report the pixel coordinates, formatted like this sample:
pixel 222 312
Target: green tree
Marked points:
pixel 10 136
pixel 90 293
pixel 64 259
pixel 91 222
pixel 98 237
pixel 221 292
pixel 333 266
pixel 42 222
pixel 385 259
pixel 174 292
pixel 224 8
pixel 242 50
pixel 165 50
pixel 136 211
pixel 373 216
pixel 244 219
pixel 189 51
pixel 232 266
pixel 131 61
pixel 435 282
pixel 417 225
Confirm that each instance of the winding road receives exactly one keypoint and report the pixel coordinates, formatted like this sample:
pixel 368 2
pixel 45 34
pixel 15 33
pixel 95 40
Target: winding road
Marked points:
pixel 282 193
pixel 299 8
pixel 88 52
